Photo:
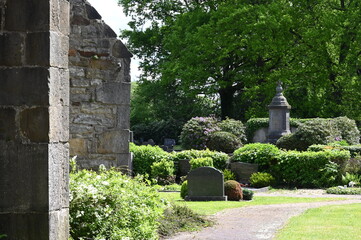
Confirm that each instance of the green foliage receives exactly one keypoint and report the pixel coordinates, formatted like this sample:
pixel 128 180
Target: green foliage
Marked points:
pixel 233 191
pixel 145 156
pixel 346 191
pixel 110 205
pixel 184 190
pixel 260 179
pixel 321 131
pixel 353 165
pixel 228 175
pixel 235 127
pixel 253 124
pixel 163 171
pixel 311 169
pixel 223 142
pixel 265 155
pixel 201 162
pixel 354 149
pixel 220 159
pixel 178 218
pixel 247 194
pixel 349 177
pixel 157 130
pixel 196 132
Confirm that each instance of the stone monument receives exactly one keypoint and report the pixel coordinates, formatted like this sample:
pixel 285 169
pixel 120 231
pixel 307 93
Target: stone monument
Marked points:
pixel 205 184
pixel 279 116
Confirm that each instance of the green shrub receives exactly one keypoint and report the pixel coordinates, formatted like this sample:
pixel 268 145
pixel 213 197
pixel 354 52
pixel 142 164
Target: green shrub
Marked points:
pixel 235 127
pixel 321 131
pixel 220 159
pixel 311 169
pixel 265 155
pixel 247 194
pixel 353 149
pixel 233 191
pixel 353 165
pixel 346 191
pixel 145 156
pixel 349 177
pixel 184 190
pixel 224 142
pixel 110 205
pixel 260 179
pixel 177 218
pixel 201 162
pixel 228 175
pixel 195 133
pixel 163 171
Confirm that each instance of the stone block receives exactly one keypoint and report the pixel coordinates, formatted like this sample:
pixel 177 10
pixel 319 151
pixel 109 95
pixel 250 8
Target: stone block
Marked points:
pixel 205 184
pixel 125 162
pixel 59 123
pixel 7 124
pixel 116 141
pixel 59 222
pixel 119 50
pixel 113 93
pixel 184 167
pixel 59 47
pixel 21 86
pixel 243 171
pixel 24 178
pixel 11 48
pixel 102 64
pixel 58 165
pixel 78 146
pixel 59 87
pixel 92 13
pixel 123 117
pixel 27 15
pixel 34 124
pixel 59 16
pixel 94 120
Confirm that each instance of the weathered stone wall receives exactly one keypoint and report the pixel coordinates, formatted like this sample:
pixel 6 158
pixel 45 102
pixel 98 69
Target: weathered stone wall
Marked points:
pixel 34 117
pixel 99 67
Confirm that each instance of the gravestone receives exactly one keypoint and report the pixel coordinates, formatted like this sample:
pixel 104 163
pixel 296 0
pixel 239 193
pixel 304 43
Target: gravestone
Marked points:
pixel 279 116
pixel 205 184
pixel 34 108
pixel 243 171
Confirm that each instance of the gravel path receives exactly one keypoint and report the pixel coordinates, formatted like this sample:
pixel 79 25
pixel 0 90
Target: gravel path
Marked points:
pixel 259 222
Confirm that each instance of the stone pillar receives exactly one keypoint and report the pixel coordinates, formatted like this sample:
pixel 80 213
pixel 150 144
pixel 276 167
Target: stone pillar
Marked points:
pixel 279 116
pixel 34 119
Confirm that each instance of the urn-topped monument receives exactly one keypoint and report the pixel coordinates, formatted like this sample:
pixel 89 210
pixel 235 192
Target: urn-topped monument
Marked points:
pixel 279 116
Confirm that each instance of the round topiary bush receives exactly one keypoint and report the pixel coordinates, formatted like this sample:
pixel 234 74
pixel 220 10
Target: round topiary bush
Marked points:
pixel 163 172
pixel 184 189
pixel 224 142
pixel 247 194
pixel 265 155
pixel 195 133
pixel 235 127
pixel 261 179
pixel 233 190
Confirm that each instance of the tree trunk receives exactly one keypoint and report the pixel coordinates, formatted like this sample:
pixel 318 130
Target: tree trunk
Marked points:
pixel 227 108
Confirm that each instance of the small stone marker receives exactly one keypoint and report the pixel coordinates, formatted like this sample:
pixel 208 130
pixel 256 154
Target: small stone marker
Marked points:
pixel 243 171
pixel 205 184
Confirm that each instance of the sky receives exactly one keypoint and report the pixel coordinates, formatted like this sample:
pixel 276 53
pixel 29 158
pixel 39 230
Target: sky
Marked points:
pixel 113 15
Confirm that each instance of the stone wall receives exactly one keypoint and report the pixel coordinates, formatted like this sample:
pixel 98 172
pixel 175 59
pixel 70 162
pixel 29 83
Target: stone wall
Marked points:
pixel 99 67
pixel 34 117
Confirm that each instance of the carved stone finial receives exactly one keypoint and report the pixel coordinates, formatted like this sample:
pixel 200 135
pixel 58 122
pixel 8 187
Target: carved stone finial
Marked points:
pixel 279 88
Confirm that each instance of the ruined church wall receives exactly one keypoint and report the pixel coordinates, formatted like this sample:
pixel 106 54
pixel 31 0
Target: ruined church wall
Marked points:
pixel 99 66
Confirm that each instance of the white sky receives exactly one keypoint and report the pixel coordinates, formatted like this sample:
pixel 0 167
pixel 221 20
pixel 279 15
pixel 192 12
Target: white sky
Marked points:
pixel 113 15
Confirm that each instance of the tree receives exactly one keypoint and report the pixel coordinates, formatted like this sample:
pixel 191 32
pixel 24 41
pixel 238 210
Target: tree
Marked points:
pixel 240 49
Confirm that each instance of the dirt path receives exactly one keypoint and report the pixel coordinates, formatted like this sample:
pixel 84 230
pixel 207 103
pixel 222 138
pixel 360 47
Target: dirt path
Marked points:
pixel 257 222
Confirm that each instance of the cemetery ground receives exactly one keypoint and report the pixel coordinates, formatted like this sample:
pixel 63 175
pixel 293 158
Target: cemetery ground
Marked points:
pixel 311 212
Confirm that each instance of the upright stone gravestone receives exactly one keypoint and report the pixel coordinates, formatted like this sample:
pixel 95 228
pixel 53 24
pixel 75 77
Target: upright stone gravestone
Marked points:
pixel 279 116
pixel 205 184
pixel 34 119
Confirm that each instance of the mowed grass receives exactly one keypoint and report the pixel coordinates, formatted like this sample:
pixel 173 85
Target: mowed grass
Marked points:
pixel 212 207
pixel 325 223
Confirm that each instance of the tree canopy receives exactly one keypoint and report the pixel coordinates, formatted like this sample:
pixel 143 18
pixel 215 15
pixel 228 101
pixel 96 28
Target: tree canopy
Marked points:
pixel 239 49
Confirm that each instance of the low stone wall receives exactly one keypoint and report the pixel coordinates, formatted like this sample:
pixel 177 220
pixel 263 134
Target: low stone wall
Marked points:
pixel 99 66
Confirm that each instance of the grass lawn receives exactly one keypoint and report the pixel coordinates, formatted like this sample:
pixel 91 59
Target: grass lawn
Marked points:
pixel 325 223
pixel 208 208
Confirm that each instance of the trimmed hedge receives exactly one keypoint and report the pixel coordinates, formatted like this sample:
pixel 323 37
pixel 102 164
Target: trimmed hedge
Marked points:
pixel 354 149
pixel 312 169
pixel 145 156
pixel 201 162
pixel 220 159
pixel 346 191
pixel 263 154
